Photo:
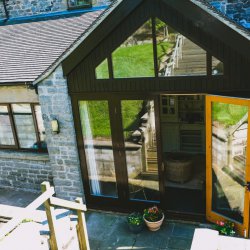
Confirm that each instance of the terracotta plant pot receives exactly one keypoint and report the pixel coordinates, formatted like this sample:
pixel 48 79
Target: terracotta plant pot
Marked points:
pixel 154 226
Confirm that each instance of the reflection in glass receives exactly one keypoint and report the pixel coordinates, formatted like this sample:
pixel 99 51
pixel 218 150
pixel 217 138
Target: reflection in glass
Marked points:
pixel 41 128
pixel 177 55
pixel 217 67
pixel 140 144
pixel 24 125
pixel 229 146
pixel 134 58
pixel 98 147
pixel 102 71
pixel 6 134
pixel 79 3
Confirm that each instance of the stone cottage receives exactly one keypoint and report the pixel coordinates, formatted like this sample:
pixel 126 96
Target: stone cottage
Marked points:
pixel 101 97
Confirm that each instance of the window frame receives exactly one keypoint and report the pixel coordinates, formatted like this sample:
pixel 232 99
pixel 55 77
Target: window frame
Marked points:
pixel 84 6
pixel 16 146
pixel 109 58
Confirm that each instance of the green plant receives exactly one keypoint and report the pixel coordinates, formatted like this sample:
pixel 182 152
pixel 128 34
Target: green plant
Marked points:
pixel 153 214
pixel 225 228
pixel 27 220
pixel 135 219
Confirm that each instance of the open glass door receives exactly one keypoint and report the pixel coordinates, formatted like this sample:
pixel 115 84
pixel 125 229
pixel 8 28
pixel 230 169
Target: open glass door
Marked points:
pixel 227 171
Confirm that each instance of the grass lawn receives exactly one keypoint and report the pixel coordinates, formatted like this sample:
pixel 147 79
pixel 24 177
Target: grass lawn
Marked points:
pixel 133 61
pixel 228 114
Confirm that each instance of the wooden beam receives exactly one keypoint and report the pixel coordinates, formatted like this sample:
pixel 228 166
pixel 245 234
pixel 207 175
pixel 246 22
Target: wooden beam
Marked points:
pixel 42 198
pixel 67 204
pixel 82 229
pixel 26 212
pixel 54 241
pixel 101 31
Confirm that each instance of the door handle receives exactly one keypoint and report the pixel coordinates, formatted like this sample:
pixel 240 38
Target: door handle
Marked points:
pixel 247 185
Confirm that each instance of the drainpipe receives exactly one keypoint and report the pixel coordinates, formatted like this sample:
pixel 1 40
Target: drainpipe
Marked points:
pixel 5 9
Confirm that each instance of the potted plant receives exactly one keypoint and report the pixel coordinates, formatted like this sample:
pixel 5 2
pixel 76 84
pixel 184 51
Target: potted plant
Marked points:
pixel 153 218
pixel 225 228
pixel 135 222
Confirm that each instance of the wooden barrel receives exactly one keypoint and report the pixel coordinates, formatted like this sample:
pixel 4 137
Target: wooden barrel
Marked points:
pixel 178 168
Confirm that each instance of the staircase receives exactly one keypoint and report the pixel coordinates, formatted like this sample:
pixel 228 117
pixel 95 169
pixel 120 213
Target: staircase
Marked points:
pixel 152 161
pixel 193 61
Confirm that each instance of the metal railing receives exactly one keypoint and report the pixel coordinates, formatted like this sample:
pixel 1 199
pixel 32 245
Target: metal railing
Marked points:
pixel 175 56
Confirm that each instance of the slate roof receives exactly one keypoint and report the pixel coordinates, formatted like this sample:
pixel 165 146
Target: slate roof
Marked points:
pixel 28 49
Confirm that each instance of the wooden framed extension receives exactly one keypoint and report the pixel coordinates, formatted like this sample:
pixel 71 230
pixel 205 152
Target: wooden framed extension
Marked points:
pixel 201 28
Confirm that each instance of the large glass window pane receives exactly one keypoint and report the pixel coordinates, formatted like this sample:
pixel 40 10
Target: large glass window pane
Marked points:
pixel 177 55
pixel 102 70
pixel 140 145
pixel 229 147
pixel 217 66
pixel 134 58
pixel 24 125
pixel 6 134
pixel 98 147
pixel 41 128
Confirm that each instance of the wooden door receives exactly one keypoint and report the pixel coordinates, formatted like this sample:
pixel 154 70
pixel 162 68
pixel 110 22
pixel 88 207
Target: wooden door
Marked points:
pixel 227 166
pixel 118 142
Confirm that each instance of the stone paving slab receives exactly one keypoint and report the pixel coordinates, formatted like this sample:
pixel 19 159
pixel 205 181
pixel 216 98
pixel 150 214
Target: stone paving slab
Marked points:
pixel 16 198
pixel 110 231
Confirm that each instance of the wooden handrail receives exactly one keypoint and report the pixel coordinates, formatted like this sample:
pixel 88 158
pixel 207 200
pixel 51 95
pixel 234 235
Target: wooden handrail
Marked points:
pixel 81 228
pixel 49 204
pixel 14 222
pixel 67 204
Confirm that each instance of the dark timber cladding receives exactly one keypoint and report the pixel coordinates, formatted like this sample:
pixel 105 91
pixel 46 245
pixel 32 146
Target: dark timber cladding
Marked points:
pixel 204 29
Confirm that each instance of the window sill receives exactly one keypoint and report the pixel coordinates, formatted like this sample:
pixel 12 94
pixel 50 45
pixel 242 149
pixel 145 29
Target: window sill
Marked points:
pixel 23 155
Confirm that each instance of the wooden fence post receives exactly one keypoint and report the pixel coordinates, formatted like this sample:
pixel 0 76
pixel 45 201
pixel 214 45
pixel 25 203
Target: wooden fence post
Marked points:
pixel 82 229
pixel 54 242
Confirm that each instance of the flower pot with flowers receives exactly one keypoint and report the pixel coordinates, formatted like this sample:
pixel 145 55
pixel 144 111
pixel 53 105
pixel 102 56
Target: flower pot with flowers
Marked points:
pixel 153 218
pixel 135 222
pixel 225 228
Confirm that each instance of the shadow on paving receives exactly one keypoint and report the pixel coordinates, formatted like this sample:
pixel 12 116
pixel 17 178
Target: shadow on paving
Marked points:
pixel 110 231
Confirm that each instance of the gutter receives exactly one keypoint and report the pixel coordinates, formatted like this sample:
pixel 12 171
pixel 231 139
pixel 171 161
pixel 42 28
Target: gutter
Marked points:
pixel 28 84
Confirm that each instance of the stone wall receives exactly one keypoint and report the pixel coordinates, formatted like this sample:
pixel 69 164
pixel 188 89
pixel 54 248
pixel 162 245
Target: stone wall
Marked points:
pixel 18 8
pixel 2 12
pixel 32 7
pixel 24 170
pixel 56 104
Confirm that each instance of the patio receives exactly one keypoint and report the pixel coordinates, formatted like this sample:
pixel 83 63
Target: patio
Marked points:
pixel 110 231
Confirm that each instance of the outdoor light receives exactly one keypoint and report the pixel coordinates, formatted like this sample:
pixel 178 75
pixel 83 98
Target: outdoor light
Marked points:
pixel 55 126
